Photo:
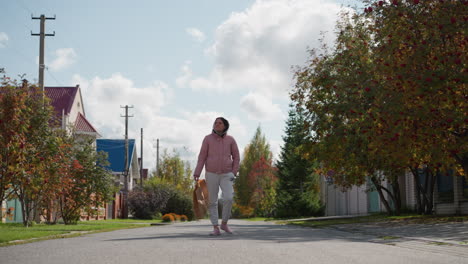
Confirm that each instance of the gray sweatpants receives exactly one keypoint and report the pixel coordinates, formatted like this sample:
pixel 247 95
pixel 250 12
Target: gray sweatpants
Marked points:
pixel 214 181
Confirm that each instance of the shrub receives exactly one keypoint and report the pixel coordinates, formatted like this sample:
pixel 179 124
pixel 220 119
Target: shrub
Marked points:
pixel 179 203
pixel 183 218
pixel 168 218
pixel 147 203
pixel 176 216
pixel 239 211
pixel 297 205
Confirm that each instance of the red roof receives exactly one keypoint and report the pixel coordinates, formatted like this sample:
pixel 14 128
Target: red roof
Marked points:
pixel 83 125
pixel 61 98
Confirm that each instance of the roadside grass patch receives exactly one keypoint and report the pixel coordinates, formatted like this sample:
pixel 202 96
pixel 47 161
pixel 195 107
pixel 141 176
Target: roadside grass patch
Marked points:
pixel 439 243
pixel 256 219
pixel 377 218
pixel 336 221
pixel 389 237
pixel 16 233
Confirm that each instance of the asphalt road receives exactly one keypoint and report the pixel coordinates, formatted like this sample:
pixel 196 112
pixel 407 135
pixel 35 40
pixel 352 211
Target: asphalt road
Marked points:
pixel 253 242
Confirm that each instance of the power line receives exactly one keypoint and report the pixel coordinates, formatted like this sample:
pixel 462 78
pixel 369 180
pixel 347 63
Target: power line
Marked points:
pixel 53 77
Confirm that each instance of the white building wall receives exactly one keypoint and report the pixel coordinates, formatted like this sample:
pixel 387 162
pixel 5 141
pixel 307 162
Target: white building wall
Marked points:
pixel 76 108
pixel 349 202
pixel 410 191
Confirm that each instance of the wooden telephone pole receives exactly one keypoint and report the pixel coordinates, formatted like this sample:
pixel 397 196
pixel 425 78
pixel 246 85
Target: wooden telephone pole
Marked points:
pixel 141 159
pixel 42 36
pixel 125 192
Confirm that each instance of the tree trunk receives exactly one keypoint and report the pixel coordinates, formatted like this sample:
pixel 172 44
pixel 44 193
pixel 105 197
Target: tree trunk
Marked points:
pixel 419 206
pixel 424 194
pixel 382 197
pixel 397 196
pixel 431 179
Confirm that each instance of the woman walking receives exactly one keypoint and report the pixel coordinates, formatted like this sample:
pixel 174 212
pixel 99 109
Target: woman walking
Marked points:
pixel 220 157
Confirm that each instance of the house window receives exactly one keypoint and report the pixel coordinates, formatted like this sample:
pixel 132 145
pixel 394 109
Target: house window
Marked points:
pixel 445 187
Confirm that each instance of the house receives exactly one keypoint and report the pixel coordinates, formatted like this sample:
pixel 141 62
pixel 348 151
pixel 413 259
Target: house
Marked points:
pixel 450 196
pixel 68 106
pixel 115 148
pixel 358 200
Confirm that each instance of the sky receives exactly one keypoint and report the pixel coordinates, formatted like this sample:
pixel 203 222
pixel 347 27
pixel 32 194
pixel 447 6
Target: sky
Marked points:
pixel 179 63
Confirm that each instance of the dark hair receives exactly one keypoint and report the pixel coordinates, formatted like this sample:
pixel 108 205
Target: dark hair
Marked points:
pixel 225 122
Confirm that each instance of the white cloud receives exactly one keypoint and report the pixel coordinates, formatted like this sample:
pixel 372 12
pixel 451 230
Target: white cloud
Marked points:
pixel 103 98
pixel 196 34
pixel 275 147
pixel 260 107
pixel 3 39
pixel 63 58
pixel 255 49
pixel 183 80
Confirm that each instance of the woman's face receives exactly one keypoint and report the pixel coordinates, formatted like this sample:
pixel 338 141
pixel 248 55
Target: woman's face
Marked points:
pixel 218 126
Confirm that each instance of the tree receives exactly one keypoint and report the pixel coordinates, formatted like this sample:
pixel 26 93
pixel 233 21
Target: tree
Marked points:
pixel 44 167
pixel 174 170
pixel 249 180
pixel 263 177
pixel 337 93
pixel 389 96
pixel 12 135
pixel 25 136
pixel 421 53
pixel 298 190
pixel 85 183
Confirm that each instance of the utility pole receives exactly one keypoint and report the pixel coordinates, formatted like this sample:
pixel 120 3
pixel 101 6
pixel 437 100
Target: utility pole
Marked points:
pixel 42 36
pixel 141 160
pixel 157 156
pixel 125 192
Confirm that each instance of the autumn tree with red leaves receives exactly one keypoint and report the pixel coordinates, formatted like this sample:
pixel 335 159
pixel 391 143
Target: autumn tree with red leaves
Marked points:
pixel 390 96
pixel 24 137
pixel 256 178
pixel 46 168
pixel 263 179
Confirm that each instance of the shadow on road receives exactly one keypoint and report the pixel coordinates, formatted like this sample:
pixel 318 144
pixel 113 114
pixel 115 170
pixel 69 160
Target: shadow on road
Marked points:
pixel 244 230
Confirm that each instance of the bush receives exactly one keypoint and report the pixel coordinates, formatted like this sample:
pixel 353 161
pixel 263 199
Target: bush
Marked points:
pixel 298 205
pixel 179 203
pixel 176 216
pixel 183 218
pixel 239 211
pixel 147 203
pixel 168 218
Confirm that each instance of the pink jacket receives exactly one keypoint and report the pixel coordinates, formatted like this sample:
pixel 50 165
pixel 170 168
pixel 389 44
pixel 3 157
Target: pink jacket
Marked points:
pixel 218 155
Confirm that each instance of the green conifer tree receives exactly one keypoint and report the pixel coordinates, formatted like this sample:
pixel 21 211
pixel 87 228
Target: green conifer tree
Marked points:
pixel 298 186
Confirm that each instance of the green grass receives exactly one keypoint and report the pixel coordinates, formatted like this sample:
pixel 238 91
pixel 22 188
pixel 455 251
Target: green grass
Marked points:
pixel 255 219
pixel 389 237
pixel 439 243
pixel 339 221
pixel 402 219
pixel 13 233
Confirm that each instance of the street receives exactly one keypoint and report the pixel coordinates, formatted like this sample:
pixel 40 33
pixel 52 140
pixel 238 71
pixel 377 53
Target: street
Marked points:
pixel 253 242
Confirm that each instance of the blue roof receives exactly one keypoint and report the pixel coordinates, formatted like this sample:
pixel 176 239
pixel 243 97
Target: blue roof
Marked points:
pixel 116 151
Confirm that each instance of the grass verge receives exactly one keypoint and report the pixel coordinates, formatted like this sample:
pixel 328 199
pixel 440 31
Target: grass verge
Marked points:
pixel 256 219
pixel 376 218
pixel 15 233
